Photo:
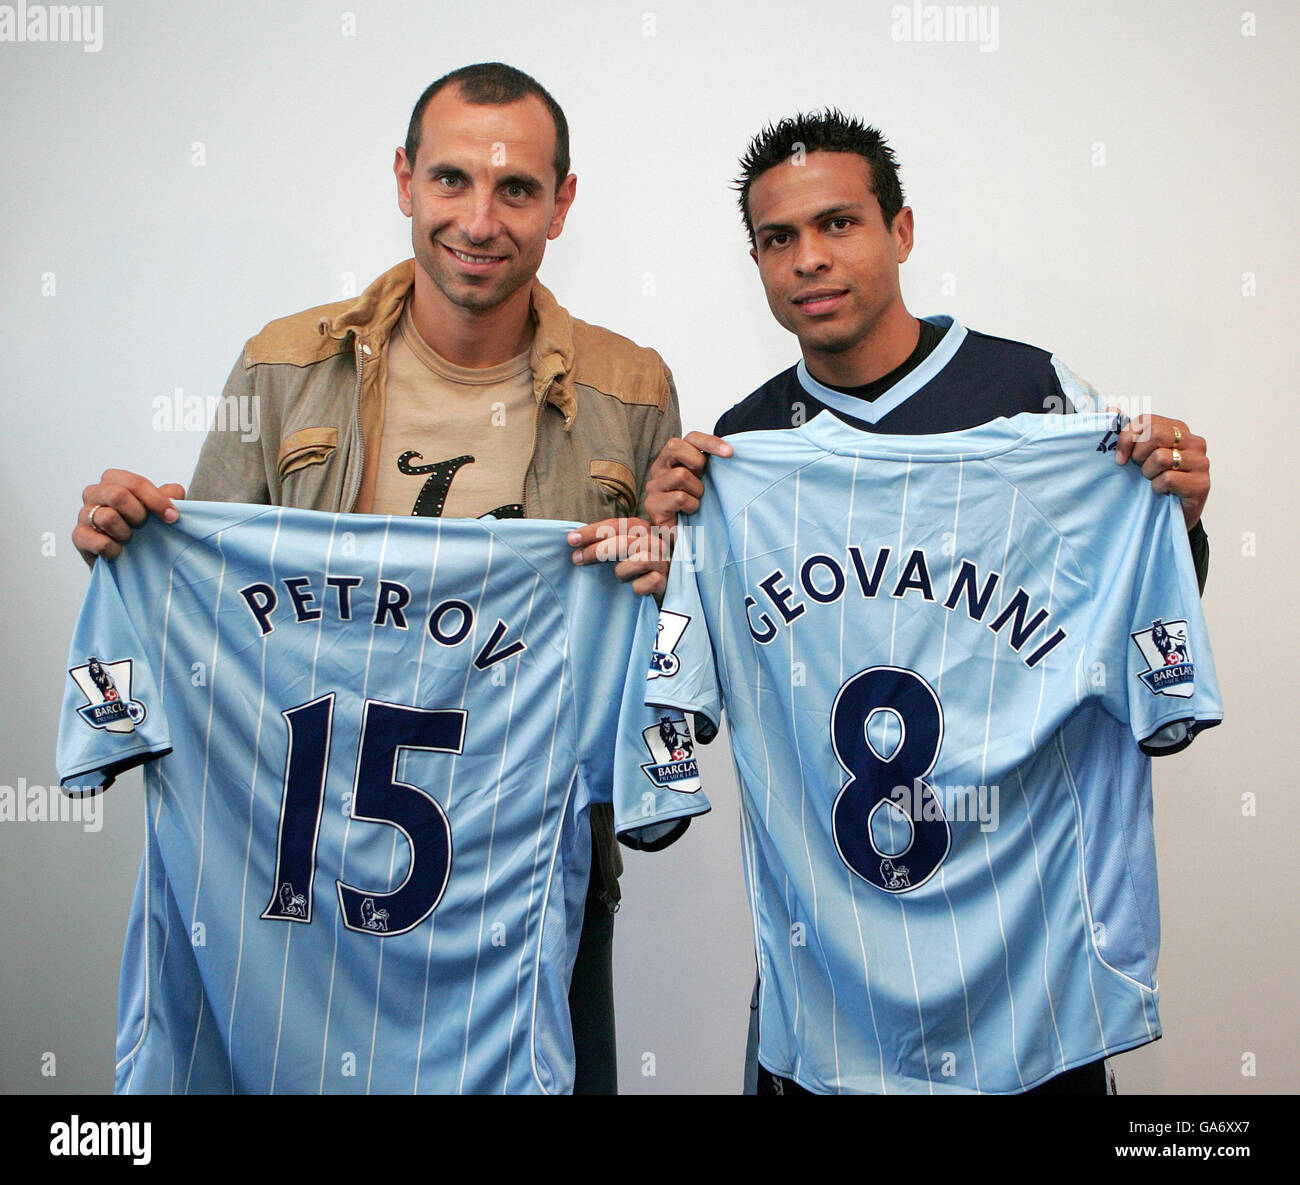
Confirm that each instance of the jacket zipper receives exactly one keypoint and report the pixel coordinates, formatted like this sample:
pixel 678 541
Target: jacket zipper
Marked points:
pixel 532 452
pixel 361 440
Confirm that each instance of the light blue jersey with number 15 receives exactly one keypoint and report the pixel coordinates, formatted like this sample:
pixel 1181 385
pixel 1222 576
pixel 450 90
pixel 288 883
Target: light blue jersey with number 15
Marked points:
pixel 373 747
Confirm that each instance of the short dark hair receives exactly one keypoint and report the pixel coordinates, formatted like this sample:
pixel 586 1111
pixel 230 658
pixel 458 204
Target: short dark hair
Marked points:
pixel 828 130
pixel 493 84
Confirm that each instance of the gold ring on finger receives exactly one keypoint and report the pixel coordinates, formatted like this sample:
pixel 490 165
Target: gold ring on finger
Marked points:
pixel 90 518
pixel 1178 459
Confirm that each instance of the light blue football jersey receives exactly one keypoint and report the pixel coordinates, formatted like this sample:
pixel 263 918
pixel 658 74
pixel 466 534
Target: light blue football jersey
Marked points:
pixel 375 743
pixel 944 660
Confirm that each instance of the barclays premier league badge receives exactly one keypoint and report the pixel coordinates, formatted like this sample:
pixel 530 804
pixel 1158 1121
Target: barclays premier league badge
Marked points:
pixel 672 749
pixel 1168 655
pixel 668 633
pixel 107 687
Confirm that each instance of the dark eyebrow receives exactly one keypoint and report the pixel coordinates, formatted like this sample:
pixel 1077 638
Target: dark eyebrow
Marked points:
pixel 525 180
pixel 821 216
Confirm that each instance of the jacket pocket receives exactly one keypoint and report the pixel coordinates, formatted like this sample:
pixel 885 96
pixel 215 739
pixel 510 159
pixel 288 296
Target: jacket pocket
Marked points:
pixel 308 446
pixel 616 479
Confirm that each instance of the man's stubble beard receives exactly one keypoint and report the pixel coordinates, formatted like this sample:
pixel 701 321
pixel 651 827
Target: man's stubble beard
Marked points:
pixel 473 296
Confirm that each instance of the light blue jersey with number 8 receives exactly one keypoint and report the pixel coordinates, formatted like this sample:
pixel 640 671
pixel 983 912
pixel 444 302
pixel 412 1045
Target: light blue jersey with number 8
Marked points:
pixel 944 661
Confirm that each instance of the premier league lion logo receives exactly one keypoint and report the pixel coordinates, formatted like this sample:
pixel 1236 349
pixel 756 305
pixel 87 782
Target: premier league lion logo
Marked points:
pixel 292 905
pixel 895 876
pixel 102 680
pixel 672 764
pixel 679 745
pixel 1168 654
pixel 107 688
pixel 1173 649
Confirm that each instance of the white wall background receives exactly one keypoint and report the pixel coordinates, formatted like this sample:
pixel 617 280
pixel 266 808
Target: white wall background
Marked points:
pixel 1114 181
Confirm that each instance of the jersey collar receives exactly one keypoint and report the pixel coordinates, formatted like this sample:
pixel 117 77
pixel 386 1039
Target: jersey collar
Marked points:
pixel 998 436
pixel 873 411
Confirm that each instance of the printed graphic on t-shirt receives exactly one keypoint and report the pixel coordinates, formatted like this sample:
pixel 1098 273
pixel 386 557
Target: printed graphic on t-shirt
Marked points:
pixel 433 494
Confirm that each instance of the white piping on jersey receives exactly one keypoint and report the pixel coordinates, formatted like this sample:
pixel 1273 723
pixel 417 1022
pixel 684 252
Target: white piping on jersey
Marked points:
pixel 1047 924
pixel 203 797
pixel 746 829
pixel 943 879
pixel 561 686
pixel 129 1056
pixel 451 789
pixel 487 863
pixel 1145 989
pixel 848 872
pixel 492 838
pixel 248 842
pixel 902 912
pixel 550 881
pixel 803 822
pixel 1033 839
pixel 473 987
pixel 343 852
pixel 875 410
pixel 1080 880
pixel 984 765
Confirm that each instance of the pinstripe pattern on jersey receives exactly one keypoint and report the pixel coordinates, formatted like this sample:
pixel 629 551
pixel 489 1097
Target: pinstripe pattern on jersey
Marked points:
pixel 220 995
pixel 992 975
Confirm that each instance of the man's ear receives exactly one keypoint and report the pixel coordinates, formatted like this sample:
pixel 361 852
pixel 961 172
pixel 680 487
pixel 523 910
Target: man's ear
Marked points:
pixel 402 171
pixel 564 195
pixel 903 230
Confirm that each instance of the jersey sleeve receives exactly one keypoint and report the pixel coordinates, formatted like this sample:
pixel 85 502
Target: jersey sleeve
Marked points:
pixel 112 716
pixel 657 784
pixel 673 679
pixel 683 667
pixel 1149 650
pixel 611 639
pixel 1082 394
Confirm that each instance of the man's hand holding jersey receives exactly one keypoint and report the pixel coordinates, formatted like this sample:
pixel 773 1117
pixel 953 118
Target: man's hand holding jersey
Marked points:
pixel 638 549
pixel 1171 458
pixel 119 501
pixel 674 486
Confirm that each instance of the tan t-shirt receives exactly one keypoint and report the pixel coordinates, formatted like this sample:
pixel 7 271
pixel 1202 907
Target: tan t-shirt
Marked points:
pixel 456 441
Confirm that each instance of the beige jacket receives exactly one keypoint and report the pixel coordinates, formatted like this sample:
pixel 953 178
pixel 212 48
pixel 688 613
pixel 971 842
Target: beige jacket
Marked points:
pixel 605 407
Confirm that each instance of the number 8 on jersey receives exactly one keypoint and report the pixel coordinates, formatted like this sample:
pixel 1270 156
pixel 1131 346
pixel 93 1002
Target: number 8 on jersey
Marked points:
pixel 884 792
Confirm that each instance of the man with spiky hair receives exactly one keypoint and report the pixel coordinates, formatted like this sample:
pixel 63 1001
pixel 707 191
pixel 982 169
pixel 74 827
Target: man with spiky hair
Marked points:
pixel 822 205
pixel 824 212
pixel 455 385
